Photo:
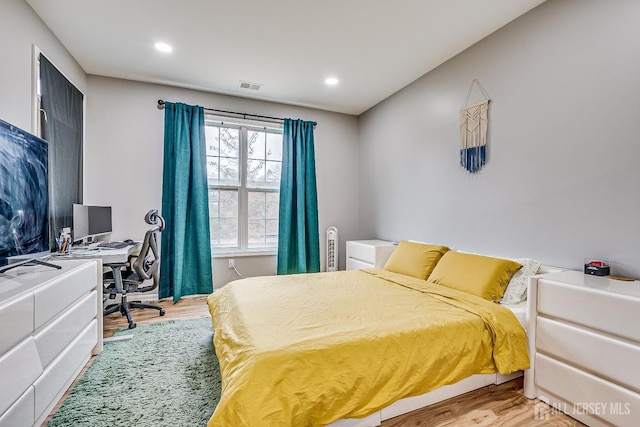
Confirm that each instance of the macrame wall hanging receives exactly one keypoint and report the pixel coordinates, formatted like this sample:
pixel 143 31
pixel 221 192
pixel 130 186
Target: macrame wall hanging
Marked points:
pixel 473 132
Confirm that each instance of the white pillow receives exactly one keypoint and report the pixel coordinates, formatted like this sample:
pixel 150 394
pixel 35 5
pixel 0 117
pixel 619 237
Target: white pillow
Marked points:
pixel 517 288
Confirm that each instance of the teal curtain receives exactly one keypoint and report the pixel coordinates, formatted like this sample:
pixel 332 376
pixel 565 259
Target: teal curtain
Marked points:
pixel 185 266
pixel 298 240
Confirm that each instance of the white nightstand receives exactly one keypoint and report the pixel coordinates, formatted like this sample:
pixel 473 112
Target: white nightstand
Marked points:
pixel 368 253
pixel 584 346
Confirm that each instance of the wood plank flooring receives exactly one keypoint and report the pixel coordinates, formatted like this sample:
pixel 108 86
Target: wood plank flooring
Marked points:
pixel 186 308
pixel 494 405
pixel 503 405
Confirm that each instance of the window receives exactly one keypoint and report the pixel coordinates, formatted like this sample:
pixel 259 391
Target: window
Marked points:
pixel 243 168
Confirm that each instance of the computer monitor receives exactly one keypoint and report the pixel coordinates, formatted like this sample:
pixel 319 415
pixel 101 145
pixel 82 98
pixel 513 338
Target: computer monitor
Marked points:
pixel 90 221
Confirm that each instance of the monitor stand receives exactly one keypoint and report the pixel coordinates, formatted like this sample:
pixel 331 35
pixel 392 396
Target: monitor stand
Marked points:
pixel 85 242
pixel 30 261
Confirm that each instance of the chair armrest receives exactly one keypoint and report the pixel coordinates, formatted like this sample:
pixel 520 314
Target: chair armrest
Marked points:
pixel 116 268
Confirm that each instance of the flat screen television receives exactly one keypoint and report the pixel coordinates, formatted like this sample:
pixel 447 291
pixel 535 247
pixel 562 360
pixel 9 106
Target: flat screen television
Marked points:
pixel 24 193
pixel 90 221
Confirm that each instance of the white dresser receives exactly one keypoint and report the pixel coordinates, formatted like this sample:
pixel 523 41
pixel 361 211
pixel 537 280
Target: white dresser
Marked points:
pixel 584 344
pixel 50 325
pixel 368 253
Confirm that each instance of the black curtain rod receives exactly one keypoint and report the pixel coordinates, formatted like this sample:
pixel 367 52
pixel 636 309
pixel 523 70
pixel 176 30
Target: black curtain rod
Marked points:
pixel 236 114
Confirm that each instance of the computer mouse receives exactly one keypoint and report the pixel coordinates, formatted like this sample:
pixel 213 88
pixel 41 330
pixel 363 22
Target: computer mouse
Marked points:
pixel 129 242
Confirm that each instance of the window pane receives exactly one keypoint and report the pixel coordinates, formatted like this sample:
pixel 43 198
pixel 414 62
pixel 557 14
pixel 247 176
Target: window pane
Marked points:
pixel 229 142
pixel 256 233
pixel 255 171
pixel 263 219
pixel 214 225
pixel 228 204
pixel 213 173
pixel 229 172
pixel 223 155
pixel 271 238
pixel 273 172
pixel 223 212
pixel 228 232
pixel 214 203
pixel 256 141
pixel 264 159
pixel 211 137
pixel 256 205
pixel 274 146
pixel 272 205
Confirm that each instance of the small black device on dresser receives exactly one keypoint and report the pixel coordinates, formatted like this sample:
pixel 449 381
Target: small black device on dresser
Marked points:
pixel 597 267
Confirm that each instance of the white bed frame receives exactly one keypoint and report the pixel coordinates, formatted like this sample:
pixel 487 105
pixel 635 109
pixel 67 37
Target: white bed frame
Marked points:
pixel 410 404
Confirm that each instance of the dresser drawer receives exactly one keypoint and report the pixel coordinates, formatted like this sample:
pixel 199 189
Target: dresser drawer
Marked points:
pixel 362 252
pixel 61 372
pixel 20 367
pixel 54 297
pixel 605 400
pixel 355 264
pixel 53 338
pixel 20 414
pixel 19 314
pixel 605 356
pixel 609 312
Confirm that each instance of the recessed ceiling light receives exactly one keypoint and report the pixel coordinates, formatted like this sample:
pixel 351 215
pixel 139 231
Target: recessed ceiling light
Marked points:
pixel 163 47
pixel 331 81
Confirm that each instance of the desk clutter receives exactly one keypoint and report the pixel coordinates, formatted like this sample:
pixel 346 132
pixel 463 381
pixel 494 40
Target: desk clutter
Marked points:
pixel 64 241
pixel 114 245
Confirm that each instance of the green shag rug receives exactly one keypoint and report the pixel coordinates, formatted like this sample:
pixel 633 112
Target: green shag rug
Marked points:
pixel 166 375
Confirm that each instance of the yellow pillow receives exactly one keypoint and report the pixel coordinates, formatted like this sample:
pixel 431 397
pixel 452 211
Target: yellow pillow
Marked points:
pixel 479 275
pixel 415 259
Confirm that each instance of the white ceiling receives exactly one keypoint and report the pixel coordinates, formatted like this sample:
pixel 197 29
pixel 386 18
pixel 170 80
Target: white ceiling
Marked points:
pixel 374 47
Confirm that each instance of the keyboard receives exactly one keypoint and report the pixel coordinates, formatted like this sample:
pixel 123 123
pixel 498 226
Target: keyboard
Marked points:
pixel 112 245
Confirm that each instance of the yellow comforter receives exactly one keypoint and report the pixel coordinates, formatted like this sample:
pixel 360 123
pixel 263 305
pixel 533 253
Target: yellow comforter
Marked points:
pixel 306 350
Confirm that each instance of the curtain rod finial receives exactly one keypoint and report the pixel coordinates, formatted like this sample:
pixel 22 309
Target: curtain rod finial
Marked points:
pixel 160 104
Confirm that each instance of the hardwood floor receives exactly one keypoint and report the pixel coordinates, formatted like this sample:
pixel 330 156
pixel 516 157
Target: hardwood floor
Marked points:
pixel 503 405
pixel 494 405
pixel 186 308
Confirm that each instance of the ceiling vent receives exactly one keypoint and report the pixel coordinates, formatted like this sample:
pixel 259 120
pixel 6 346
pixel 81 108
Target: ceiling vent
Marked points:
pixel 250 86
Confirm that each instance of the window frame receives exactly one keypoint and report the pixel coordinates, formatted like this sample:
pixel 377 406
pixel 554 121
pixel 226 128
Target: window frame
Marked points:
pixel 243 189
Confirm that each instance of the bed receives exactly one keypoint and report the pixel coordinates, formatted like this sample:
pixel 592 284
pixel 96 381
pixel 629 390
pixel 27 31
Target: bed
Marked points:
pixel 354 347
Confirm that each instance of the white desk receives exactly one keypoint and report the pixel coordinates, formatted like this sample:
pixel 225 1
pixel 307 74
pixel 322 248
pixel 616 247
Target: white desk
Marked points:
pixel 106 255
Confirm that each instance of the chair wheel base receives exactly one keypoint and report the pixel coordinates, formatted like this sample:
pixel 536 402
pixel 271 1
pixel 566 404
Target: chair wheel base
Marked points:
pixel 162 312
pixel 132 325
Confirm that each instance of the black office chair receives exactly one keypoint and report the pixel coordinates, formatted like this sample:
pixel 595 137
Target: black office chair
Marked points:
pixel 127 277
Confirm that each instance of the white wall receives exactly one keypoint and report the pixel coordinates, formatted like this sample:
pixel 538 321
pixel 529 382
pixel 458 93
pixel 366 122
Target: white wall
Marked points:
pixel 20 29
pixel 124 149
pixel 562 178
